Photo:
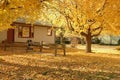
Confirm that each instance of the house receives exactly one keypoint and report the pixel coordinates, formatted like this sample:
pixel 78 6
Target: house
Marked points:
pixel 109 39
pixel 24 32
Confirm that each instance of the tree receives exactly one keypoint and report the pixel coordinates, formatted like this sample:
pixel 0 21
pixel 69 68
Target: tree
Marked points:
pixel 85 17
pixel 80 17
pixel 10 10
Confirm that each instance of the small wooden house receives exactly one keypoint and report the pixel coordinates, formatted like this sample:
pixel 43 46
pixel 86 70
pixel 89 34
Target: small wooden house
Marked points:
pixel 24 32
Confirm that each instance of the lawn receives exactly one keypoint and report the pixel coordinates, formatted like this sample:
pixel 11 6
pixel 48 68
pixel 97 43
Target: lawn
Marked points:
pixel 77 65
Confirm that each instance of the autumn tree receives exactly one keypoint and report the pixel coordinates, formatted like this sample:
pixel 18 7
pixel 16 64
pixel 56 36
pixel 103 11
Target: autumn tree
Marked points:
pixel 10 10
pixel 84 17
pixel 80 17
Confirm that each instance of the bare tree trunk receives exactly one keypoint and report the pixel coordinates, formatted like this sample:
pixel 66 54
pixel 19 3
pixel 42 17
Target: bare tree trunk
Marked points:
pixel 88 42
pixel 82 41
pixel 61 38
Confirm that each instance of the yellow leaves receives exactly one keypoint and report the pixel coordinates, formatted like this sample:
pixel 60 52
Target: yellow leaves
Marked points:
pixel 31 4
pixel 76 65
pixel 56 11
pixel 29 9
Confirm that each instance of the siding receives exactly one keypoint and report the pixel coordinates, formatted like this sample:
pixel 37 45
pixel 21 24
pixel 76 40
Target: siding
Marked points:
pixel 3 35
pixel 40 34
pixel 107 39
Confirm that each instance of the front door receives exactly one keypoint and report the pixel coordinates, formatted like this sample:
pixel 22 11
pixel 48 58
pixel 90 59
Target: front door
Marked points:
pixel 10 35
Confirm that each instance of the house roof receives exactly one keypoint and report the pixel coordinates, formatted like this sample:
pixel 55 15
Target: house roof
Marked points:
pixel 22 22
pixel 28 24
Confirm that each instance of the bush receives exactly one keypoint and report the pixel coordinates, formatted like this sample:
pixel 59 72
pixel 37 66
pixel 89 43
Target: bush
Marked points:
pixel 67 42
pixel 95 41
pixel 57 41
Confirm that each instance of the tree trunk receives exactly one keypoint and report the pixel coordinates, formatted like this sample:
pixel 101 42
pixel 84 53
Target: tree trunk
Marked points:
pixel 61 38
pixel 88 42
pixel 82 41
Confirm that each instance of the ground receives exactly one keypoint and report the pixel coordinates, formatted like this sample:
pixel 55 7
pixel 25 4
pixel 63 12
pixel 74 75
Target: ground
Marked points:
pixel 77 65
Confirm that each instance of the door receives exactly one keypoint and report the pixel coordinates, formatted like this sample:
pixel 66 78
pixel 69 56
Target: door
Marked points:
pixel 10 35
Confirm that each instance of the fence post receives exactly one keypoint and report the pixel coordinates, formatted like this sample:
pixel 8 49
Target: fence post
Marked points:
pixel 64 49
pixel 55 49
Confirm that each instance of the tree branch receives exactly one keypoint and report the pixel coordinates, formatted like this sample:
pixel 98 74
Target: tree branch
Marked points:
pixel 4 4
pixel 69 24
pixel 101 28
pixel 83 34
pixel 91 22
pixel 96 29
pixel 102 8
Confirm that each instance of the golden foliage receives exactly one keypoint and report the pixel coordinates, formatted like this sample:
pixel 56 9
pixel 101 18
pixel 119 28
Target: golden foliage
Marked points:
pixel 79 15
pixel 75 13
pixel 10 10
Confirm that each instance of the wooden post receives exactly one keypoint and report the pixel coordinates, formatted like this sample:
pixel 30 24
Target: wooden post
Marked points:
pixel 62 46
pixel 55 49
pixel 12 45
pixel 41 46
pixel 5 45
pixel 64 51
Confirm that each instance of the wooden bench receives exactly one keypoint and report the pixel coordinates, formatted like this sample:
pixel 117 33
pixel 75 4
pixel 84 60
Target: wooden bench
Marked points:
pixel 33 46
pixel 54 46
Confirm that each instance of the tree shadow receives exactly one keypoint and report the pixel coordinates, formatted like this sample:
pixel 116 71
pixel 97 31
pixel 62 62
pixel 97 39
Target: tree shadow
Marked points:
pixel 27 72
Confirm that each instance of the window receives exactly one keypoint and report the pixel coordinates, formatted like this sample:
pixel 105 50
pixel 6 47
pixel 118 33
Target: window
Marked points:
pixel 49 32
pixel 25 32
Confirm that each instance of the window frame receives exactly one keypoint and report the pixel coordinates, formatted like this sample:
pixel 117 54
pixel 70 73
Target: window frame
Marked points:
pixel 31 32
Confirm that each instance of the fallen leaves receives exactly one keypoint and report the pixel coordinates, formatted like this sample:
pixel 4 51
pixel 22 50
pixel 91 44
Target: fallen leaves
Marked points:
pixel 45 66
pixel 118 48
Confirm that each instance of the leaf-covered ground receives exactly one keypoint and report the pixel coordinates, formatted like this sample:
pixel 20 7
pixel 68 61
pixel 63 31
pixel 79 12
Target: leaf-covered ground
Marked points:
pixel 77 65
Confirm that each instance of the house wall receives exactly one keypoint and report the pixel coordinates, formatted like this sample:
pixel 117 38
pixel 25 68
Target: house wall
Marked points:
pixel 40 34
pixel 107 39
pixel 3 35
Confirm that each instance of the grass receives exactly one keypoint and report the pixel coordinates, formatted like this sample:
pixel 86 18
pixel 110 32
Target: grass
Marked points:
pixel 77 65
